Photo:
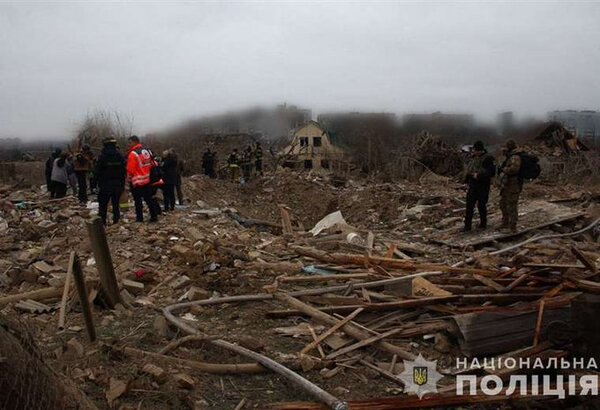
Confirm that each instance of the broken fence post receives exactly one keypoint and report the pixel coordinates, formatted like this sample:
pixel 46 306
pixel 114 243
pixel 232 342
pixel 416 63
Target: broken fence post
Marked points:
pixel 83 297
pixel 104 263
pixel 65 295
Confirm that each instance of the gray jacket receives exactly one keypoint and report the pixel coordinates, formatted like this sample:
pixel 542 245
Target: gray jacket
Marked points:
pixel 59 173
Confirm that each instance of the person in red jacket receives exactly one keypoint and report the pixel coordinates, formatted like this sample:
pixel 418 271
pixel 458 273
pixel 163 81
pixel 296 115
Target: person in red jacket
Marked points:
pixel 140 162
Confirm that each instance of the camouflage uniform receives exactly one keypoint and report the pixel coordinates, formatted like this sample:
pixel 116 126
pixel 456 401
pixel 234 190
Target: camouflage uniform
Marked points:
pixel 510 189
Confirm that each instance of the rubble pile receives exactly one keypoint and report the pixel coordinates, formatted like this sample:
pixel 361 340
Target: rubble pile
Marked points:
pixel 290 289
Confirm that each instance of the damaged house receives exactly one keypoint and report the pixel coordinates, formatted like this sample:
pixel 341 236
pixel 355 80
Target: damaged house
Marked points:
pixel 562 155
pixel 312 147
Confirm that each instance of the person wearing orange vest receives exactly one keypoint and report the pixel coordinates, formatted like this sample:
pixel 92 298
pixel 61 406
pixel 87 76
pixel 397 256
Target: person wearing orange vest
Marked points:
pixel 140 162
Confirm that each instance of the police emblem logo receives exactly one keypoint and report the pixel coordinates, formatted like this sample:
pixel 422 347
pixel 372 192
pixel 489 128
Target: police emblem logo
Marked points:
pixel 420 375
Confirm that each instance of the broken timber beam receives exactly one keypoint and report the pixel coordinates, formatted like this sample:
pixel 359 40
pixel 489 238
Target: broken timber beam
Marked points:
pixel 361 260
pixel 106 271
pixel 403 304
pixel 325 278
pixel 214 368
pixel 83 296
pixel 363 343
pixel 584 259
pixel 65 295
pixel 349 329
pixel 37 295
pixel 330 331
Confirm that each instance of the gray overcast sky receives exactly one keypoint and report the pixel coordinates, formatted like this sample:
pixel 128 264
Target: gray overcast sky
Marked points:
pixel 162 63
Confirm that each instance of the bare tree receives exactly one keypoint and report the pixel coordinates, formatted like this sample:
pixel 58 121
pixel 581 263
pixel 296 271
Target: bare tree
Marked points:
pixel 102 124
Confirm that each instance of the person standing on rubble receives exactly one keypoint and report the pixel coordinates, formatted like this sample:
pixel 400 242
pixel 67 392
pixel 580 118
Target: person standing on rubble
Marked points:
pixel 208 163
pixel 169 168
pixel 480 172
pixel 258 158
pixel 233 163
pixel 60 176
pixel 82 166
pixel 180 170
pixel 48 171
pixel 71 173
pixel 140 162
pixel 246 163
pixel 511 185
pixel 110 175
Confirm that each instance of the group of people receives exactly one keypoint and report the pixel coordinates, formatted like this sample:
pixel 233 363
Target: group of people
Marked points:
pixel 111 171
pixel 64 170
pixel 250 161
pixel 480 172
pixel 146 174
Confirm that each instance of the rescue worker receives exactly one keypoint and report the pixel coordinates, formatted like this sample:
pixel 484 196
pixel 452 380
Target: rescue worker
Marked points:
pixel 208 163
pixel 71 173
pixel 258 156
pixel 82 166
pixel 169 168
pixel 233 162
pixel 48 172
pixel 60 176
pixel 140 162
pixel 511 185
pixel 110 174
pixel 246 163
pixel 479 174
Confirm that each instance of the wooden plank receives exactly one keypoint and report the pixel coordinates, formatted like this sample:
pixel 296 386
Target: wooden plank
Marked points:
pixel 331 331
pixel 65 296
pixel 390 251
pixel 410 303
pixel 286 223
pixel 385 373
pixel 561 266
pixel 314 336
pixel 348 328
pixel 370 243
pixel 489 282
pixel 538 325
pixel 83 299
pixel 325 278
pixel 588 286
pixel 402 255
pixel 40 294
pixel 362 343
pixel 422 287
pixel 104 263
pixel 517 282
pixel 361 260
pixel 584 259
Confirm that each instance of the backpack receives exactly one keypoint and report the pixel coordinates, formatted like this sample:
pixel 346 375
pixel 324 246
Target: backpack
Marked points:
pixel 530 166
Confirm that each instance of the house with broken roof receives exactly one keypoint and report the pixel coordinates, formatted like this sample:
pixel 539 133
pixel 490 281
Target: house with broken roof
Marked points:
pixel 312 147
pixel 561 153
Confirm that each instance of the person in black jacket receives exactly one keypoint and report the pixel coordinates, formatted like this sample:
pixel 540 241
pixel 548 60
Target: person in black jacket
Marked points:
pixel 479 176
pixel 48 172
pixel 170 172
pixel 110 174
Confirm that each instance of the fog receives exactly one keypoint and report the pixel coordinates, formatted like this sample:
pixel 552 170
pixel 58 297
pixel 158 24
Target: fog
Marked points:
pixel 164 63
